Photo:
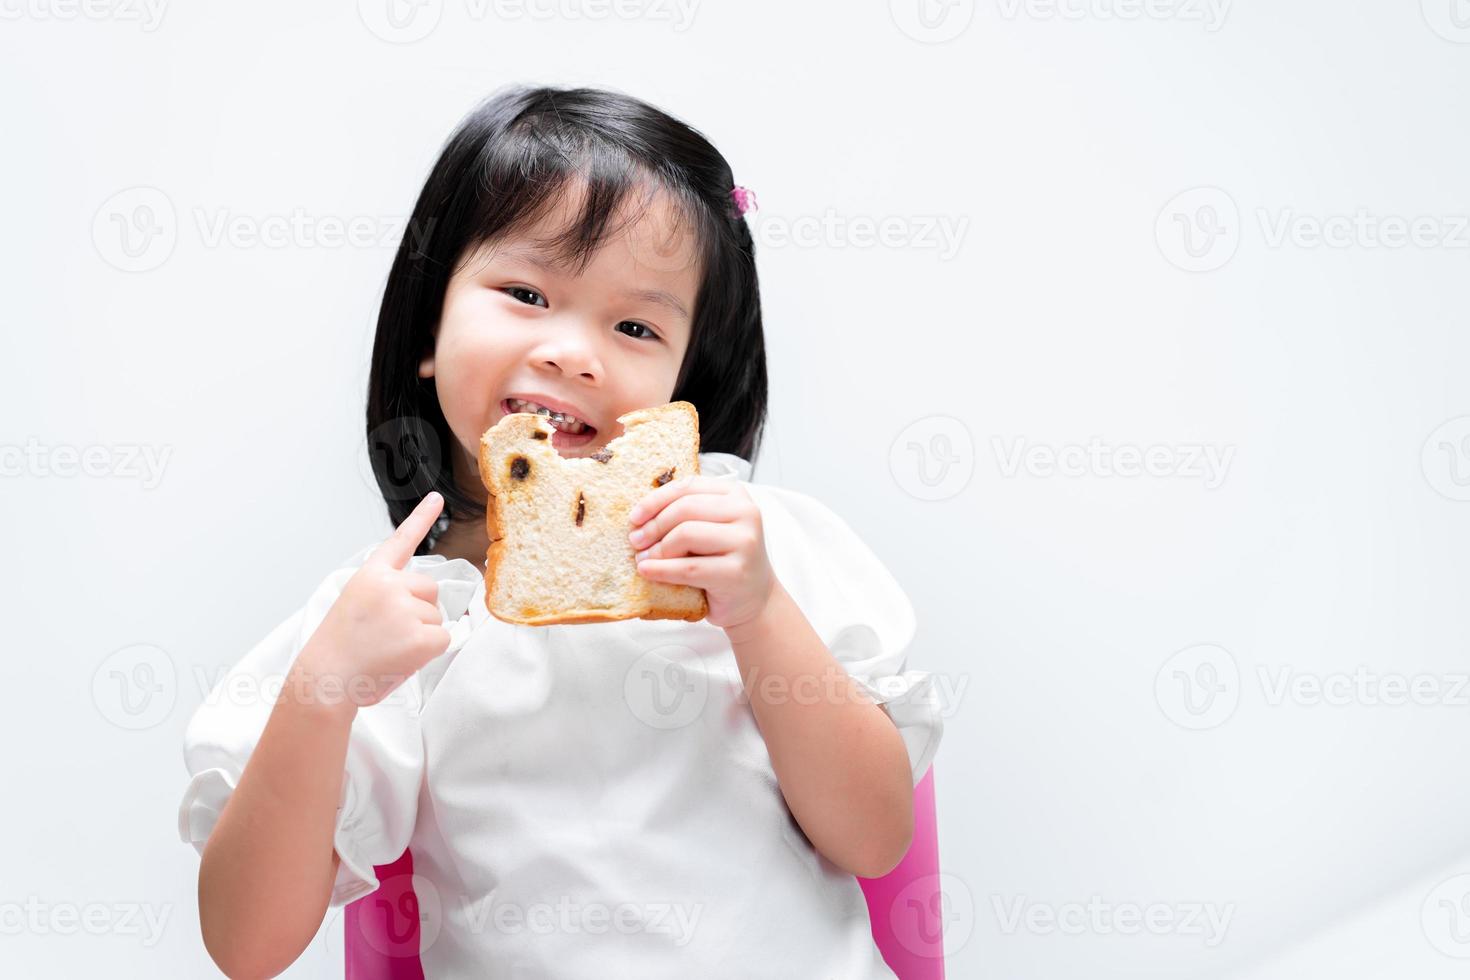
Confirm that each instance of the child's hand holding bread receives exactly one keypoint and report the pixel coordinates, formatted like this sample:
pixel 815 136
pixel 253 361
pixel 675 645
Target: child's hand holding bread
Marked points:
pixel 560 546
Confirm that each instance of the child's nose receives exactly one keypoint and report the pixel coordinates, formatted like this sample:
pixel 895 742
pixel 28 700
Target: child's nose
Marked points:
pixel 574 354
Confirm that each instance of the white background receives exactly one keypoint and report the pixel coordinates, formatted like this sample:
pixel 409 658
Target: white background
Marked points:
pixel 1083 301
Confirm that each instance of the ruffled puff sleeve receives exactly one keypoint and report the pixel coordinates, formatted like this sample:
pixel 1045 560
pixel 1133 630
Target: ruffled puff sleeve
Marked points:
pixel 857 607
pixel 385 755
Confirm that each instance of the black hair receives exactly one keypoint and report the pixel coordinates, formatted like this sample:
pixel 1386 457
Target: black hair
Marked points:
pixel 504 165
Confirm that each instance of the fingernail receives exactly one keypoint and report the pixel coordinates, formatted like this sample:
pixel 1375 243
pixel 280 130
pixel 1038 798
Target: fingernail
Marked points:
pixel 642 554
pixel 636 537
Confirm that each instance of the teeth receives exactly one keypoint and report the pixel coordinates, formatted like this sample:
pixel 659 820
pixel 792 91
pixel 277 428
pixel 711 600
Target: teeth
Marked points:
pixel 566 423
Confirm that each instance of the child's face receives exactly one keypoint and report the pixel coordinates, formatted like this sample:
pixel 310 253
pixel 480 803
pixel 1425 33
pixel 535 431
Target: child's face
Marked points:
pixel 601 343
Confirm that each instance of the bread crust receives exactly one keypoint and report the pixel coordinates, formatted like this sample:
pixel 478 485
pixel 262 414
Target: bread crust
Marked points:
pixel 519 430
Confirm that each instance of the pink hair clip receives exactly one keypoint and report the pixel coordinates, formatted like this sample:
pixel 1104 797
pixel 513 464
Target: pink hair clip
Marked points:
pixel 744 199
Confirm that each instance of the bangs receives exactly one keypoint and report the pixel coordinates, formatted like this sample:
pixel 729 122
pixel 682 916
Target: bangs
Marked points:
pixel 541 162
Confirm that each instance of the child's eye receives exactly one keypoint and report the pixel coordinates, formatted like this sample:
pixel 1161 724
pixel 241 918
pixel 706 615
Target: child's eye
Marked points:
pixel 630 323
pixel 520 292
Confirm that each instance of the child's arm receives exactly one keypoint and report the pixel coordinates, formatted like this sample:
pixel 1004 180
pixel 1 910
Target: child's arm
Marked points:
pixel 267 871
pixel 266 875
pixel 840 762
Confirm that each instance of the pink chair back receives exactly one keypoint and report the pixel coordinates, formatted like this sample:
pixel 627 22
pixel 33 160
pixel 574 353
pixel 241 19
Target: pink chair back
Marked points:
pixel 382 929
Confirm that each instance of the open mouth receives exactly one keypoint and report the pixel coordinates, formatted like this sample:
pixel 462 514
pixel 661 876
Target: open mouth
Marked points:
pixel 570 432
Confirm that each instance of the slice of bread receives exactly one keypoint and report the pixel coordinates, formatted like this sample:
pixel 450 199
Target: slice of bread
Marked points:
pixel 559 548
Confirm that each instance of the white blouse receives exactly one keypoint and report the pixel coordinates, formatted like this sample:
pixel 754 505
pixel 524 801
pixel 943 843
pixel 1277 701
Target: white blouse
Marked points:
pixel 596 799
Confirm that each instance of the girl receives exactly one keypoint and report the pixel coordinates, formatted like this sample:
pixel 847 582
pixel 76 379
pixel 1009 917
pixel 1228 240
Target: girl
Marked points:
pixel 645 798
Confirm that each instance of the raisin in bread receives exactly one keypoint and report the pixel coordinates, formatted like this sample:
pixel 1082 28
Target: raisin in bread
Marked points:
pixel 559 548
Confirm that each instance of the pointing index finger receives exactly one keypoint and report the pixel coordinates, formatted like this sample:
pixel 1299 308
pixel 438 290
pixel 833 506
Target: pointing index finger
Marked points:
pixel 399 546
